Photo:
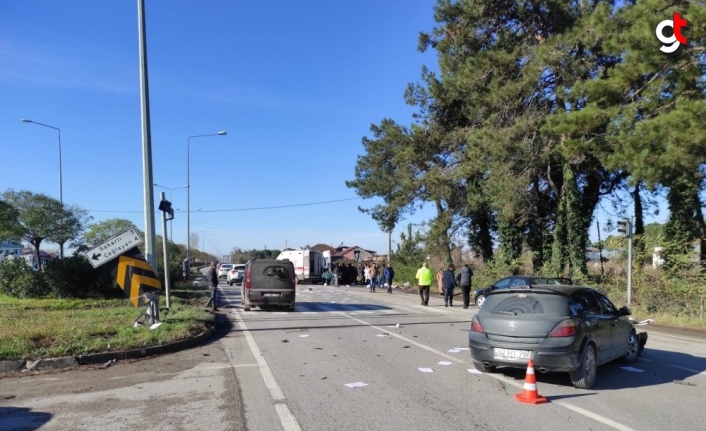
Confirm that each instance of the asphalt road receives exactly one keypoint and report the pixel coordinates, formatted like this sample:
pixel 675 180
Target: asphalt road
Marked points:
pixel 276 370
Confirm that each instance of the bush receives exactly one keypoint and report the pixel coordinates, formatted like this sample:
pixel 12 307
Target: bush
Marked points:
pixel 19 280
pixel 74 277
pixel 71 277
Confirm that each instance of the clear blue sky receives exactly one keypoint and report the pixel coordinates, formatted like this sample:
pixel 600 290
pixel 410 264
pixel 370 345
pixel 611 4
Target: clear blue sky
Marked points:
pixel 296 85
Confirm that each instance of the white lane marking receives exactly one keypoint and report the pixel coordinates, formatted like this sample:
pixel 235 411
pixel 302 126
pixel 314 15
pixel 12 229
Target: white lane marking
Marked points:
pixel 405 339
pixel 286 418
pixel 662 334
pixel 594 416
pixel 691 370
pixel 504 379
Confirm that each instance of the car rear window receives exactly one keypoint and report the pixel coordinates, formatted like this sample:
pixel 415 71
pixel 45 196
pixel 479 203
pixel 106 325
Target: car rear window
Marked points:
pixel 278 271
pixel 530 302
pixel 226 266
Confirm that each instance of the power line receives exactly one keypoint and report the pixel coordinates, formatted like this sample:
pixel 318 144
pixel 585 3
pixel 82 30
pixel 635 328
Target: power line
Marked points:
pixel 246 209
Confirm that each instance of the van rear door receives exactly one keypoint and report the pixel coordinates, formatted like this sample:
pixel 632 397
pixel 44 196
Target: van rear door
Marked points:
pixel 272 282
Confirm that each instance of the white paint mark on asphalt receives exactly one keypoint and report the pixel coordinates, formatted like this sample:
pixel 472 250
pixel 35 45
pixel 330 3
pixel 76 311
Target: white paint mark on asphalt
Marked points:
pixel 303 335
pixel 594 416
pixel 288 421
pixel 426 370
pixel 382 335
pixel 473 371
pixel 454 351
pixel 445 362
pixel 356 385
pixel 633 370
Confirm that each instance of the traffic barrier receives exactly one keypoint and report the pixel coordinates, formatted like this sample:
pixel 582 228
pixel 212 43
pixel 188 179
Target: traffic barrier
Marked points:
pixel 529 393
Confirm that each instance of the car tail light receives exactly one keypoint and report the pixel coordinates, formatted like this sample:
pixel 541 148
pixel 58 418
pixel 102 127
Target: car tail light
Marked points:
pixel 565 328
pixel 476 326
pixel 246 278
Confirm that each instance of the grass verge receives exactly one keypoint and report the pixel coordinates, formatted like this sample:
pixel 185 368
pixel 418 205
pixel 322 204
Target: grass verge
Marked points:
pixel 46 328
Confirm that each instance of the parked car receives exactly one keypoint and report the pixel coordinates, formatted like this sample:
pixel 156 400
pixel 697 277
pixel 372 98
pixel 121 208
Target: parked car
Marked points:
pixel 236 274
pixel 269 282
pixel 223 270
pixel 571 329
pixel 515 281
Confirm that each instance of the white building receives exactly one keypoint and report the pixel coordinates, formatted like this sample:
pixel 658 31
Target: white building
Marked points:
pixel 10 247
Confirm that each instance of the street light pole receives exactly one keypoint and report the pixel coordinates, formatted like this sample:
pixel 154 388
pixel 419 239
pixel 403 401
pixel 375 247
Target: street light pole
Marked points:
pixel 61 184
pixel 188 189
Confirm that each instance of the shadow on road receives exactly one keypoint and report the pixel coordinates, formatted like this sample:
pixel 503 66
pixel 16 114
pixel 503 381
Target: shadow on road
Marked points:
pixel 22 419
pixel 653 368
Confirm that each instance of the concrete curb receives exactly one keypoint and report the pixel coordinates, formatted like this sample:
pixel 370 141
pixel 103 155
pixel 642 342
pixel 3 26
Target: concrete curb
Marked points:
pixel 103 358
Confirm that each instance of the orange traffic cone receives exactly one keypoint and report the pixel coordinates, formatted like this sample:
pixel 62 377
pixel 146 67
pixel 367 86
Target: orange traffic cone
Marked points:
pixel 529 392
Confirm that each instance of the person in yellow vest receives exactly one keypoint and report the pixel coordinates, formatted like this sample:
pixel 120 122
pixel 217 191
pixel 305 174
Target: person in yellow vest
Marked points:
pixel 424 276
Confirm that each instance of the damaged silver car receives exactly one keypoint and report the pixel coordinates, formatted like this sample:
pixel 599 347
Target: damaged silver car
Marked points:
pixel 571 329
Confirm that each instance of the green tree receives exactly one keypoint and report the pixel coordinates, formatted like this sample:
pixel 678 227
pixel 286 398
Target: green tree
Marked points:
pixel 36 216
pixel 99 232
pixel 71 224
pixel 9 226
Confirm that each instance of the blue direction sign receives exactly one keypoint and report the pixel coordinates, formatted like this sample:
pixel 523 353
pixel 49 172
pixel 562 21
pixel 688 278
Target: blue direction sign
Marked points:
pixel 113 247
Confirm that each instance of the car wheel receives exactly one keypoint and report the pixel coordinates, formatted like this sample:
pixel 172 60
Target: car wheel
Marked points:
pixel 480 300
pixel 633 348
pixel 484 368
pixel 585 375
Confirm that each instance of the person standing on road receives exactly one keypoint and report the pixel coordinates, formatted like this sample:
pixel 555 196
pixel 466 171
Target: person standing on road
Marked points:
pixel 185 268
pixel 213 281
pixel 336 275
pixel 424 276
pixel 389 275
pixel 449 283
pixel 464 280
pixel 439 279
pixel 352 274
pixel 373 277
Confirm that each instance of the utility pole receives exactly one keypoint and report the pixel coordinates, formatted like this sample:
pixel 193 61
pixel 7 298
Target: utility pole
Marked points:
pixel 146 139
pixel 625 227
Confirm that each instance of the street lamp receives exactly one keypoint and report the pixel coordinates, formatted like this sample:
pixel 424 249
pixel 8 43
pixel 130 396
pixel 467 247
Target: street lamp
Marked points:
pixel 61 186
pixel 188 188
pixel 171 192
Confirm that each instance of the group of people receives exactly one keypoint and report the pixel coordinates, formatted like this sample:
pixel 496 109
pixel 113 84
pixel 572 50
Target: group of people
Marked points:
pixel 369 275
pixel 375 277
pixel 447 281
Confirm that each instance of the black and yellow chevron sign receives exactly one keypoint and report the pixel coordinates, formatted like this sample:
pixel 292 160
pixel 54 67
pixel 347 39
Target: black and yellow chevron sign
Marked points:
pixel 136 276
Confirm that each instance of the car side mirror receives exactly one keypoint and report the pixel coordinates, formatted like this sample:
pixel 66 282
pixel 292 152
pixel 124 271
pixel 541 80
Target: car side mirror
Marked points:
pixel 625 311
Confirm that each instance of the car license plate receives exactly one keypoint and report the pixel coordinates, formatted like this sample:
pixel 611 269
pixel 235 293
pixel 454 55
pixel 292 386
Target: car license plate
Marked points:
pixel 512 355
pixel 271 294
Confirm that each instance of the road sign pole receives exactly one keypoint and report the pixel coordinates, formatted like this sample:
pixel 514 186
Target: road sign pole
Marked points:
pixel 166 254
